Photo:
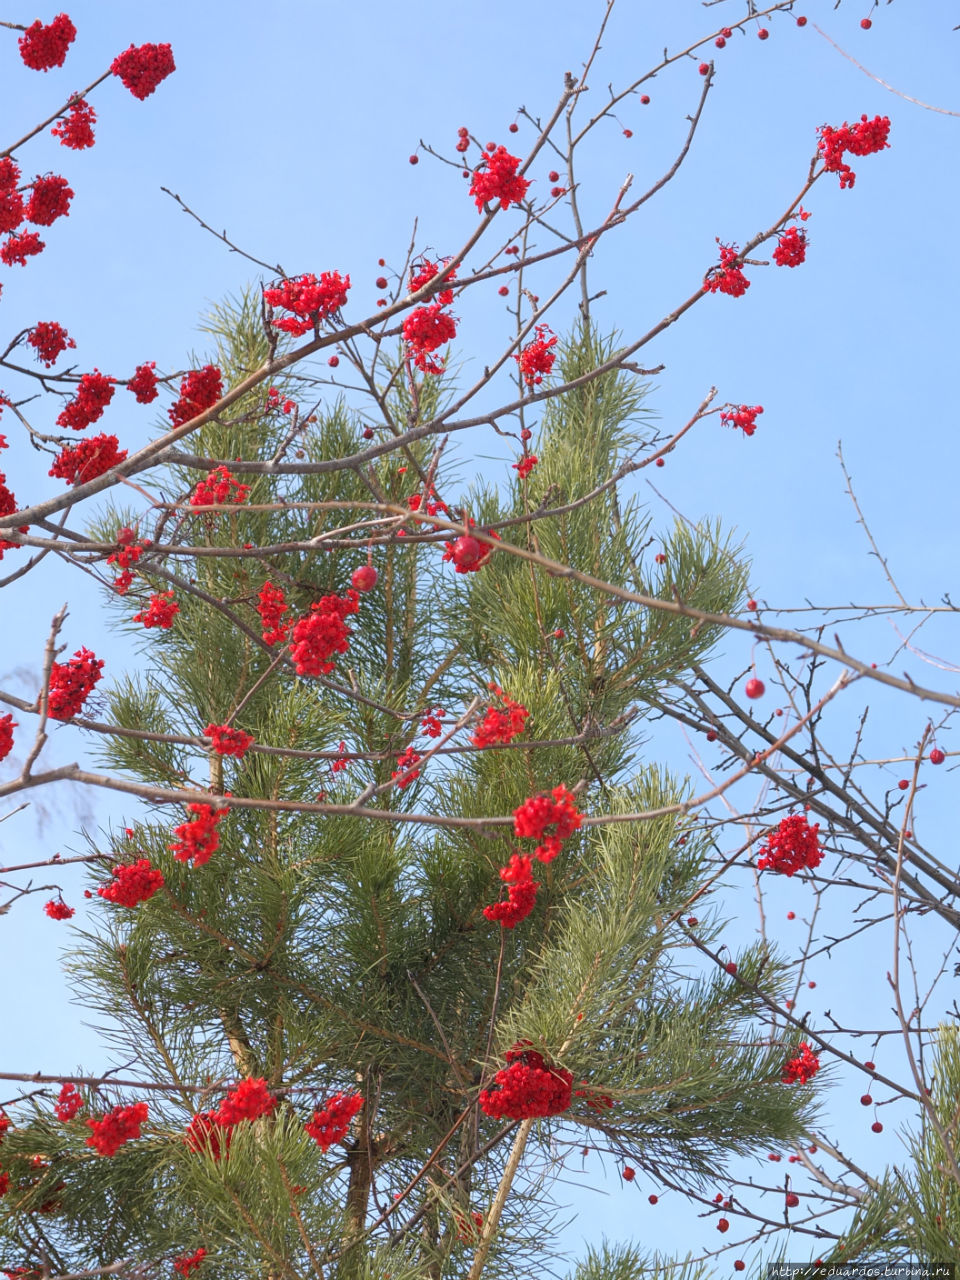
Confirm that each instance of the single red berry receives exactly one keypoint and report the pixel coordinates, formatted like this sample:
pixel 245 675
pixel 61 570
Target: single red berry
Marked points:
pixel 755 688
pixel 739 1265
pixel 792 1199
pixel 628 133
pixel 368 433
pixel 720 42
pixel 791 915
pixel 751 604
pixel 364 578
pixel 937 756
pixel 414 159
pixel 553 176
pixel 514 127
pixel 877 1127
pixel 691 921
pixel 866 1101
pixel 866 24
pixel 726 32
pixel 870 1066
pixel 811 985
pixel 333 361
pixel 645 99
pixel 503 291
pixel 763 33
pixel 628 1173
pixel 802 22
pixel 381 282
pixel 660 462
pixel 711 735
pixel 903 784
pixel 731 968
pixel 779 711
pixel 126 535
pixel 723 1224
pixel 557 192
pixel 526 433
pixel 559 634
pixel 718 1197
pixel 704 68
pixel 466 551
pixel 653 1199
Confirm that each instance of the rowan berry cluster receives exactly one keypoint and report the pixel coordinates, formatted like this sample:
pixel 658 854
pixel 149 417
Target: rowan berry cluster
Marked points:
pixel 526 465
pixel 8 503
pixel 322 633
pixel 727 277
pixel 227 741
pixel 143 384
pixel 247 1101
pixel 141 69
pixel 311 300
pixel 536 815
pixel 68 1103
pixel 18 249
pixel 71 683
pixel 161 612
pixel 331 1122
pixel 187 1262
pixel 496 179
pixel 745 418
pixel 469 1232
pixel 220 486
pixel 76 130
pixel 206 1132
pixel 521 895
pixel 58 910
pixel 129 553
pixel 49 200
pixel 425 270
pixel 801 1068
pixel 861 139
pixel 43 47
pixel 791 248
pixel 49 340
pixel 198 838
pixel 500 726
pixel 792 846
pixel 536 359
pixel 11 201
pixel 7 726
pixel 527 1087
pixel 430 725
pixel 89 459
pixel 199 390
pixel 94 393
pixel 424 330
pixel 469 554
pixel 117 1127
pixel 405 762
pixel 271 609
pixel 132 883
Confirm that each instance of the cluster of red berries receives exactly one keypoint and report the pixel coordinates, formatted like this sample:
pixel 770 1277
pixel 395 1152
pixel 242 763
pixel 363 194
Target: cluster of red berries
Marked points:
pixel 745 418
pixel 536 359
pixel 117 1127
pixel 49 199
pixel 220 486
pixel 227 741
pixel 405 763
pixel 428 328
pixel 463 139
pixel 801 1068
pixel 496 179
pixel 793 846
pixel 311 300
pixel 143 384
pixel 186 1263
pixel 467 553
pixel 7 726
pixel 58 910
pixel 727 277
pixel 132 883
pixel 18 249
pixel 68 1103
pixel 94 393
pixel 129 553
pixel 469 1232
pixel 89 459
pixel 71 683
pixel 49 340
pixel 527 1087
pixel 791 247
pixel 271 609
pixel 247 1101
pixel 198 838
pixel 500 726
pixel 43 47
pixel 322 633
pixel 861 139
pixel 430 725
pixel 161 612
pixel 331 1122
pixel 200 390
pixel 526 465
pixel 536 815
pixel 11 201
pixel 76 130
pixel 141 69
pixel 521 895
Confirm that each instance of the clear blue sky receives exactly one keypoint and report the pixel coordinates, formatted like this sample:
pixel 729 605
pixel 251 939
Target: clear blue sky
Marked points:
pixel 291 129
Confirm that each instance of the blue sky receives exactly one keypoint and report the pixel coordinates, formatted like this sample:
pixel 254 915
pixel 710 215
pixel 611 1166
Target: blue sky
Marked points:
pixel 292 132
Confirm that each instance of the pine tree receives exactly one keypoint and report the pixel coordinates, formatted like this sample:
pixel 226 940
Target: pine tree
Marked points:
pixel 346 1068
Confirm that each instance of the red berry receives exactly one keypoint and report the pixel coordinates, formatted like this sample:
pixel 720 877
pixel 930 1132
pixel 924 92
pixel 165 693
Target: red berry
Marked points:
pixel 333 361
pixel 645 99
pixel 723 1224
pixel 553 176
pixel 559 634
pixel 739 1265
pixel 653 1199
pixel 503 291
pixel 866 24
pixel 870 1066
pixel 791 915
pixel 364 578
pixel 763 33
pixel 903 784
pixel 368 433
pixel 720 42
pixel 751 604
pixel 711 735
pixel 514 127
pixel 755 688
pixel 937 756
pixel 726 32
pixel 466 551
pixel 792 1199
pixel 659 462
pixel 731 968
pixel 802 22
pixel 126 535
pixel 414 159
pixel 866 1100
pixel 628 133
pixel 877 1127
pixel 691 921
pixel 557 192
pixel 704 68
pixel 628 1173
pixel 811 985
